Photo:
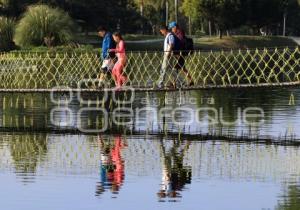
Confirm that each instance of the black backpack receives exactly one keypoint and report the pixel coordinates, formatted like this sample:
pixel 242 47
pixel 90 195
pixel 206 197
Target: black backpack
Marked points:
pixel 177 47
pixel 188 46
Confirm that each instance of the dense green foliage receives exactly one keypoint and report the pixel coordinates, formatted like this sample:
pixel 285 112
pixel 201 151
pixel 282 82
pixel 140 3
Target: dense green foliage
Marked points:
pixel 7 26
pixel 242 16
pixel 256 15
pixel 43 25
pixel 14 8
pixel 62 49
pixel 38 26
pixel 88 13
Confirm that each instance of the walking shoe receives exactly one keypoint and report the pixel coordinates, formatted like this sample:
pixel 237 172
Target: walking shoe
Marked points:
pixel 192 83
pixel 159 86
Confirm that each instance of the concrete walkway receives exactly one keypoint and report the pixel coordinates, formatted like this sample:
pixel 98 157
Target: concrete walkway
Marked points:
pixel 145 41
pixel 296 39
pixel 96 42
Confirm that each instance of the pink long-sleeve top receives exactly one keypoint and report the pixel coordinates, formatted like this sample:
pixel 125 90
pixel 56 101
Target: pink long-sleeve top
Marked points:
pixel 120 50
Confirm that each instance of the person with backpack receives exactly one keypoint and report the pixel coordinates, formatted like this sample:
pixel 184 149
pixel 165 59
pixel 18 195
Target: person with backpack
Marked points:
pixel 107 57
pixel 171 49
pixel 186 47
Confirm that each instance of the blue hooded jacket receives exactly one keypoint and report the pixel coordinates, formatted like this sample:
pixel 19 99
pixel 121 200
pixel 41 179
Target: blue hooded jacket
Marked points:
pixel 108 43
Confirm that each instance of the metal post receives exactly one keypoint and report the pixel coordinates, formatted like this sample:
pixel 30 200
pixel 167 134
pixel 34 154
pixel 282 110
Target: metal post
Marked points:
pixel 284 24
pixel 142 8
pixel 190 25
pixel 176 10
pixel 142 14
pixel 167 12
pixel 209 28
pixel 286 5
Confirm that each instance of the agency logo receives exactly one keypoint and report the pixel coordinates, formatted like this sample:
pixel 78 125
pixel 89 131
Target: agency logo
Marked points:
pixel 123 114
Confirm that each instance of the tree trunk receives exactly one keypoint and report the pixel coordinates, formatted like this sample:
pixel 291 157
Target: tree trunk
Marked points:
pixel 284 24
pixel 190 25
pixel 167 12
pixel 142 15
pixel 176 10
pixel 221 33
pixel 202 26
pixel 209 27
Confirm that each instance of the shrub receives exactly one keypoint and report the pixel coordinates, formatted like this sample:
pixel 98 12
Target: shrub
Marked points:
pixel 64 49
pixel 44 25
pixel 7 27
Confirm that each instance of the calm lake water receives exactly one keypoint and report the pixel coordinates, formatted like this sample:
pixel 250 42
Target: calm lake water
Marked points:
pixel 53 155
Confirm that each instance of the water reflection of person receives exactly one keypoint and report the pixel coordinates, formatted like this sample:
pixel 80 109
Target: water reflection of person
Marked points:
pixel 111 165
pixel 174 174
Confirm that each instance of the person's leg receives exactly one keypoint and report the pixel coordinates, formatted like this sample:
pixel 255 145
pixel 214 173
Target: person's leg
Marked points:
pixel 188 75
pixel 185 71
pixel 179 80
pixel 118 73
pixel 104 70
pixel 115 78
pixel 163 71
pixel 115 73
pixel 123 77
pixel 102 77
pixel 119 77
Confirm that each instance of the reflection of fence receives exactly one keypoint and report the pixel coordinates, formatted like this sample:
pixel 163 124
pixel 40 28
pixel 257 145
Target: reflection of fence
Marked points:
pixel 74 155
pixel 209 69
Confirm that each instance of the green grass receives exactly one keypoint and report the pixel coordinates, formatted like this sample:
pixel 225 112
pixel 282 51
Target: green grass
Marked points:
pixel 134 37
pixel 242 42
pixel 93 38
pixel 215 43
pixel 134 43
pixel 60 49
pixel 153 46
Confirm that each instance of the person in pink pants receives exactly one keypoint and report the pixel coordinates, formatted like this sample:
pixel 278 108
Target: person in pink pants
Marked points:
pixel 117 72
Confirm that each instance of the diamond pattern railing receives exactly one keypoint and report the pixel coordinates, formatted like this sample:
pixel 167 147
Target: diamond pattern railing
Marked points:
pixel 28 70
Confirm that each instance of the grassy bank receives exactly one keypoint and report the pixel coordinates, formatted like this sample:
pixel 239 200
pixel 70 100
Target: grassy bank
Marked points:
pixel 243 42
pixel 151 42
pixel 214 43
pixel 155 43
pixel 93 38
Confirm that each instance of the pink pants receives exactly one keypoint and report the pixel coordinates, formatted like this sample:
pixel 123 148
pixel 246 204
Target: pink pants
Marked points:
pixel 117 73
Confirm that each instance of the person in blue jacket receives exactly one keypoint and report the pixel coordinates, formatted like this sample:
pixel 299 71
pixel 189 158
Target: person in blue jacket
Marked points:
pixel 106 56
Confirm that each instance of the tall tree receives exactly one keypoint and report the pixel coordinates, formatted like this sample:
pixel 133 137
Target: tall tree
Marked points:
pixel 226 14
pixel 14 8
pixel 262 13
pixel 190 8
pixel 154 12
pixel 292 11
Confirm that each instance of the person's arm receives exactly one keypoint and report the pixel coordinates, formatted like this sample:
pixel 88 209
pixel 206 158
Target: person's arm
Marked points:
pixel 120 48
pixel 171 44
pixel 105 47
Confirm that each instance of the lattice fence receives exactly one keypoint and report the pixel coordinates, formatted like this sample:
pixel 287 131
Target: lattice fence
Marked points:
pixel 27 70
